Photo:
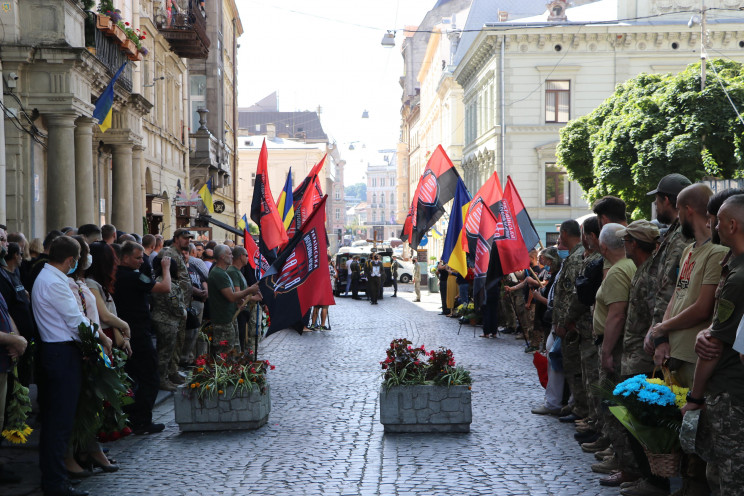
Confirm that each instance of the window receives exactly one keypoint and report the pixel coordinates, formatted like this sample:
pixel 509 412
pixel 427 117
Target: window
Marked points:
pixel 392 199
pixel 557 101
pixel 338 214
pixel 374 200
pixel 557 186
pixel 374 182
pixel 198 98
pixel 551 239
pixel 337 194
pixel 382 199
pixel 382 182
pixel 253 179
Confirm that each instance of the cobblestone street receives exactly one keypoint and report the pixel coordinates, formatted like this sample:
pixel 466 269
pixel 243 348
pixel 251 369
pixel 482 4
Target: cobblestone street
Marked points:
pixel 324 435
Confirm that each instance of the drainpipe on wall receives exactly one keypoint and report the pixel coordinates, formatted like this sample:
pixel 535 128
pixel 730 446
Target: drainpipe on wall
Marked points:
pixel 3 209
pixel 503 109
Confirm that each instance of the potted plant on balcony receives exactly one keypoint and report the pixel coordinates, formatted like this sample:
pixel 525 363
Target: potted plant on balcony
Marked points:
pixel 226 391
pixel 424 391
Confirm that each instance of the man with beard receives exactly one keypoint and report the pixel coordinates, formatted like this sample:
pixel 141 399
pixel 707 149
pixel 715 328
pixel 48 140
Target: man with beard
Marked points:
pixel 691 308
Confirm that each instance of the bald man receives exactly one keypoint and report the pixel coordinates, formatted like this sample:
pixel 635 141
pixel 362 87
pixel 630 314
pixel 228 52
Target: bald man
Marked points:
pixel 691 307
pixel 719 375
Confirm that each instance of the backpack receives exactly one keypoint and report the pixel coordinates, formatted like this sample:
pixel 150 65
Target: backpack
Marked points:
pixel 589 281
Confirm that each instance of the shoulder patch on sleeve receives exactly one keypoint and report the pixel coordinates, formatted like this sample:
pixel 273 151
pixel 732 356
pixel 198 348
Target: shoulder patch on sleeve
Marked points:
pixel 725 309
pixel 144 278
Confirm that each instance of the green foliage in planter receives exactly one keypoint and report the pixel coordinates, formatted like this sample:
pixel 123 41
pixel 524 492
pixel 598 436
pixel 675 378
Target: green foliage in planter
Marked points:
pixel 654 125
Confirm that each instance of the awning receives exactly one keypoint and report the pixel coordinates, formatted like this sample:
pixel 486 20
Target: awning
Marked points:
pixel 226 227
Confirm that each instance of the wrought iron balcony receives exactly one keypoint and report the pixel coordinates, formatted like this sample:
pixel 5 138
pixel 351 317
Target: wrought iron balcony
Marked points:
pixel 110 55
pixel 184 25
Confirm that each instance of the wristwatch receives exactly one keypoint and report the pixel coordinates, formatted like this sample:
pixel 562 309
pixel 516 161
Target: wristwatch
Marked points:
pixel 697 401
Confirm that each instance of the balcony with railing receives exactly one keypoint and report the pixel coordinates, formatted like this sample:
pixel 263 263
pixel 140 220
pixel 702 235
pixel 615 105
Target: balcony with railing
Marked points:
pixel 184 25
pixel 109 54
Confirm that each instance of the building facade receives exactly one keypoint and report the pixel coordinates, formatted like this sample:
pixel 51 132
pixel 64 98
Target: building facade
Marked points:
pixel 381 221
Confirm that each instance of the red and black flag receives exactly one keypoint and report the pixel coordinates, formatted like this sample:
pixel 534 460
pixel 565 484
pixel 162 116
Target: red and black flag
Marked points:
pixel 299 191
pixel 435 188
pixel 480 228
pixel 513 253
pixel 263 208
pixel 255 258
pixel 299 278
pixel 306 197
pixel 529 233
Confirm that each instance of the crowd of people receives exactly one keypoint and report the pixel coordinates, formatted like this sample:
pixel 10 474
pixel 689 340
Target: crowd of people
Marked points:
pixel 147 296
pixel 614 300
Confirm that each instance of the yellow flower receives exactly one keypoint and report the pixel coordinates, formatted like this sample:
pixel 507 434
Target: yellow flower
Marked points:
pixel 27 430
pixel 15 436
pixel 241 381
pixel 656 381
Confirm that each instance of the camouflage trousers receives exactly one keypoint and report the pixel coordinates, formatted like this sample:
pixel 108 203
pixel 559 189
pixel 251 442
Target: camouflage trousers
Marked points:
pixel 572 370
pixel 167 336
pixel 224 332
pixel 611 427
pixel 719 441
pixel 507 316
pixel 590 376
pixel 526 317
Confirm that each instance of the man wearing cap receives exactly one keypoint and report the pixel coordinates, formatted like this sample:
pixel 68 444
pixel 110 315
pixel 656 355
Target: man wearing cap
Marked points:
pixel 640 243
pixel 665 265
pixel 169 312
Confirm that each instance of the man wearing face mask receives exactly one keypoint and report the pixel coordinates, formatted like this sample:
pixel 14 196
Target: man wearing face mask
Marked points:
pixel 58 317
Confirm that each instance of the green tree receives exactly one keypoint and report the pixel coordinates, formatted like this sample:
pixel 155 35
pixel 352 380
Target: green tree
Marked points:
pixel 358 190
pixel 654 125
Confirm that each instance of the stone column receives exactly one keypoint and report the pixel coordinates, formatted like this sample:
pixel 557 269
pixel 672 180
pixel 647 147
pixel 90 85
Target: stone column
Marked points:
pixel 61 206
pixel 137 199
pixel 85 198
pixel 121 180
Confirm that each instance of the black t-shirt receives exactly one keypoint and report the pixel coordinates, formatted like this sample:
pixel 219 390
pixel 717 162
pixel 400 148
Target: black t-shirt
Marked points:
pixel 130 295
pixel 19 304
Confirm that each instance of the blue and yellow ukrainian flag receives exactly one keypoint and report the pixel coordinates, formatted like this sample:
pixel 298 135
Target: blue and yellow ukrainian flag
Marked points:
pixel 453 254
pixel 105 103
pixel 284 204
pixel 243 223
pixel 206 195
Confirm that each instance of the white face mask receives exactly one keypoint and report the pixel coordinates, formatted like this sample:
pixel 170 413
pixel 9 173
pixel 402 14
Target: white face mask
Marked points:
pixel 88 262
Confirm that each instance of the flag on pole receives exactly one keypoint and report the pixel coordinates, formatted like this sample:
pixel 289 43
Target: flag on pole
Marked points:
pixel 453 253
pixel 243 223
pixel 480 229
pixel 105 103
pixel 513 253
pixel 529 233
pixel 299 278
pixel 435 189
pixel 284 203
pixel 263 208
pixel 300 190
pixel 255 258
pixel 206 195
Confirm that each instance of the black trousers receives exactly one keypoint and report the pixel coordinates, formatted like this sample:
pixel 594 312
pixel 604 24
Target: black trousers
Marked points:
pixel 59 389
pixel 142 367
pixel 443 294
pixel 355 287
pixel 373 287
pixel 395 285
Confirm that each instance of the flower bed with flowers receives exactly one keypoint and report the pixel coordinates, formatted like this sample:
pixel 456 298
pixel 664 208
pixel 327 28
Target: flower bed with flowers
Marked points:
pixel 650 410
pixel 424 391
pixel 227 391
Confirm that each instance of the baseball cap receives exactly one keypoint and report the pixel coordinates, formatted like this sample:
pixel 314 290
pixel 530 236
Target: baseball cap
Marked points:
pixel 182 232
pixel 671 185
pixel 642 230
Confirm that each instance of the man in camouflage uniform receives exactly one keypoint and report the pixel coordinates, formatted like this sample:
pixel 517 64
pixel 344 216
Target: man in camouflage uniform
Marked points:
pixel 181 240
pixel 507 313
pixel 719 374
pixel 564 319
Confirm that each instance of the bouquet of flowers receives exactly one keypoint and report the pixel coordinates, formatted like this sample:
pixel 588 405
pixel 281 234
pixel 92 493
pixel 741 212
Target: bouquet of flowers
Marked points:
pixel 232 372
pixel 650 410
pixel 409 366
pixel 105 389
pixel 17 409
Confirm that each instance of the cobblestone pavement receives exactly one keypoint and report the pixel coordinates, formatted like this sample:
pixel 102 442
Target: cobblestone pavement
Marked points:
pixel 324 435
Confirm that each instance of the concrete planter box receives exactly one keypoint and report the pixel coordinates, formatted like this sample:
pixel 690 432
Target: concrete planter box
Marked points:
pixel 426 409
pixel 220 413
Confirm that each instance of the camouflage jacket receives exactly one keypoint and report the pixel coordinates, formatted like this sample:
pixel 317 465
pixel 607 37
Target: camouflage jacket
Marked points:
pixel 666 261
pixel 638 319
pixel 168 307
pixel 565 289
pixel 183 281
pixel 577 312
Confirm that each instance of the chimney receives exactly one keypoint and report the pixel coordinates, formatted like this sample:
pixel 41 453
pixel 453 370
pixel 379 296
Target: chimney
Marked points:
pixel 503 16
pixel 271 131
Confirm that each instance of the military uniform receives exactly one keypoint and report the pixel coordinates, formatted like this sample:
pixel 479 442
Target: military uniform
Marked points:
pixel 183 281
pixel 587 349
pixel 567 310
pixel 168 319
pixel 665 268
pixel 639 316
pixel 417 279
pixel 721 429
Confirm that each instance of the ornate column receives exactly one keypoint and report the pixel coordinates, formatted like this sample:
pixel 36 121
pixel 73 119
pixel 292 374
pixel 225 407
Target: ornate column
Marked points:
pixel 85 198
pixel 137 199
pixel 61 205
pixel 121 180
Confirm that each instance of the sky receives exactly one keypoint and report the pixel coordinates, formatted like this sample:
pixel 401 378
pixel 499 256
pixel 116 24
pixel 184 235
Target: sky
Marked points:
pixel 327 53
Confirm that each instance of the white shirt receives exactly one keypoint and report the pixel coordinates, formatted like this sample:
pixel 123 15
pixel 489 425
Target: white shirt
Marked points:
pixel 55 307
pixel 348 266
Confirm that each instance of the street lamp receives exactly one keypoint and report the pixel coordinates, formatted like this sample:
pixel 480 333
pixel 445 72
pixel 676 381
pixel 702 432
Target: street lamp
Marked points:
pixel 388 39
pixel 365 114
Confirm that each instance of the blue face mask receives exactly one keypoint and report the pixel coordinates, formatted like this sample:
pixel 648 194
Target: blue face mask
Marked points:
pixel 563 254
pixel 73 269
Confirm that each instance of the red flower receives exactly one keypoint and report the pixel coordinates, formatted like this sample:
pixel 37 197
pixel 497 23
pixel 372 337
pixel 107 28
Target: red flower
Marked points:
pixel 126 23
pixel 223 355
pixel 223 342
pixel 273 367
pixel 200 361
pixel 253 370
pixel 126 431
pixel 115 435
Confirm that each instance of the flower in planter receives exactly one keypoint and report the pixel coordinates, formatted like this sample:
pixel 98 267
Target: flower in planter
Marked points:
pixel 234 369
pixel 409 366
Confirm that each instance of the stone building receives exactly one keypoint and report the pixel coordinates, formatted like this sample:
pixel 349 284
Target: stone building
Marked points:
pixel 524 79
pixel 381 219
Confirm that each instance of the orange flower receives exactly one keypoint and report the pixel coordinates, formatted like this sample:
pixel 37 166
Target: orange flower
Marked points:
pixel 219 392
pixel 206 387
pixel 193 385
pixel 198 384
pixel 241 381
pixel 200 369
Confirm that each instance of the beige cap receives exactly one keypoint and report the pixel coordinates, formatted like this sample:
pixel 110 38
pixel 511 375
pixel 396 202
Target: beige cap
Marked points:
pixel 642 230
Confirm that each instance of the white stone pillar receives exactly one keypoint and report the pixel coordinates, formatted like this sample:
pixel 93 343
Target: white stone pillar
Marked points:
pixel 121 196
pixel 85 198
pixel 61 206
pixel 137 199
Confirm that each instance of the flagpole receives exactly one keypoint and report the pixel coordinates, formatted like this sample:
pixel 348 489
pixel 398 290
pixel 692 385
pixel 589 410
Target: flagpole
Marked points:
pixel 258 314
